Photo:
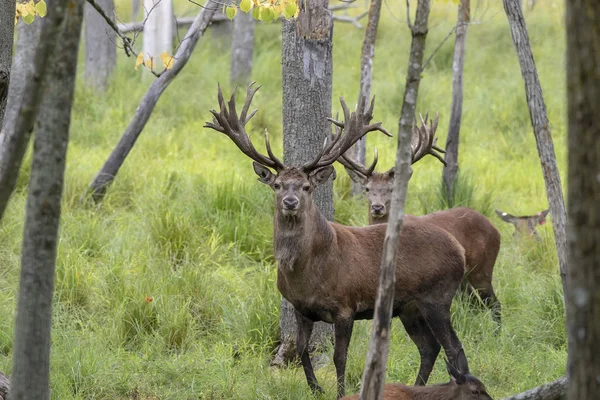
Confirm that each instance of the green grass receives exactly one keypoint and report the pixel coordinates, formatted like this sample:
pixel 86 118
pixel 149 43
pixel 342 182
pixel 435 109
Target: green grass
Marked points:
pixel 167 290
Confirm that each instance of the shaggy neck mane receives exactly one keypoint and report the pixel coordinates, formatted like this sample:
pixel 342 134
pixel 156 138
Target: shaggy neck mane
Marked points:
pixel 300 237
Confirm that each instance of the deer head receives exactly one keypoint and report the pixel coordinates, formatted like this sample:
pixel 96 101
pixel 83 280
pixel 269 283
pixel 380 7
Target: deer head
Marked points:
pixel 525 225
pixel 379 186
pixel 466 386
pixel 293 185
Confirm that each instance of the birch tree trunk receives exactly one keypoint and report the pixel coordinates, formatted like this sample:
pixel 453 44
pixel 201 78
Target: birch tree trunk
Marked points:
pixel 242 48
pixel 100 45
pixel 24 97
pixel 307 81
pixel 366 77
pixel 541 131
pixel 111 167
pixel 451 156
pixel 374 374
pixel 7 18
pixel 158 29
pixel 583 294
pixel 31 355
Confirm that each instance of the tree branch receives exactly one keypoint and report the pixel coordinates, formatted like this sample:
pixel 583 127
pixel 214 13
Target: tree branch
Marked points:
pixel 555 390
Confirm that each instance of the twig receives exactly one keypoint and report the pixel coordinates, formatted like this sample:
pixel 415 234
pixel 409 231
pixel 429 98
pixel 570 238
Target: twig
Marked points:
pixel 352 20
pixel 408 15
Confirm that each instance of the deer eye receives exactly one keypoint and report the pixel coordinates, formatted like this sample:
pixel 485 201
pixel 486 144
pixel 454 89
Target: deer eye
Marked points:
pixel 474 392
pixel 367 189
pixel 306 188
pixel 276 186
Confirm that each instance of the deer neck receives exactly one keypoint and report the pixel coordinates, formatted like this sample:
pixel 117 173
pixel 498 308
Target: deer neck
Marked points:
pixel 374 221
pixel 300 238
pixel 442 391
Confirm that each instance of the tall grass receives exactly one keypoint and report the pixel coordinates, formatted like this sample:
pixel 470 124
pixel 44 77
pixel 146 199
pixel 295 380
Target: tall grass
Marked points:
pixel 167 290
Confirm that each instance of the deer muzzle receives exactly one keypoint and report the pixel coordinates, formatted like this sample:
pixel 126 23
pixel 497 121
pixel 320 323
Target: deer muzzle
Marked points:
pixel 378 210
pixel 290 205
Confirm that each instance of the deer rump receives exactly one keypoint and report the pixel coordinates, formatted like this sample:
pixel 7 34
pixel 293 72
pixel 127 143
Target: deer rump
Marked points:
pixel 429 269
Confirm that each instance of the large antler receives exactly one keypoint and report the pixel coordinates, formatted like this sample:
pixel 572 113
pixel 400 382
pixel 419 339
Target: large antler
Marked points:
pixel 423 140
pixel 355 166
pixel 227 121
pixel 355 126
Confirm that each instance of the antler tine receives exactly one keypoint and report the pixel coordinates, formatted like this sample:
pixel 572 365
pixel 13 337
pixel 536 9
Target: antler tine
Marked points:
pixel 280 165
pixel 250 92
pixel 425 140
pixel 354 127
pixel 372 166
pixel 227 121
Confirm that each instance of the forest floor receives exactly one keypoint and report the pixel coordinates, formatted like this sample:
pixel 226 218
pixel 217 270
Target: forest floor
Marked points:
pixel 167 290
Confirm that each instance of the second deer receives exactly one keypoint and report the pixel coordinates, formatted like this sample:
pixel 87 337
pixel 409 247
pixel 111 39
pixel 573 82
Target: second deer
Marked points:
pixel 476 234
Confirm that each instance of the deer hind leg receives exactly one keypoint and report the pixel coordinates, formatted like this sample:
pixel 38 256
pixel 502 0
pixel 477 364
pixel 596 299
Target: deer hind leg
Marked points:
pixel 343 333
pixel 426 343
pixel 438 319
pixel 305 327
pixel 482 284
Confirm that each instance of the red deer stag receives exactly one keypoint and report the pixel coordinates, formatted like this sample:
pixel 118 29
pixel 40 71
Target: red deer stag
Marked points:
pixel 330 272
pixel 478 236
pixel 525 225
pixel 462 386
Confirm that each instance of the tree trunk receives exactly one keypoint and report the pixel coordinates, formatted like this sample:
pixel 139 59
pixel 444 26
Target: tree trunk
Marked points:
pixel 366 77
pixel 7 18
pixel 135 9
pixel 307 79
pixel 375 367
pixel 583 295
pixel 158 29
pixel 31 355
pixel 100 45
pixel 242 48
pixel 451 156
pixel 541 130
pixel 24 97
pixel 556 390
pixel 110 168
pixel 4 386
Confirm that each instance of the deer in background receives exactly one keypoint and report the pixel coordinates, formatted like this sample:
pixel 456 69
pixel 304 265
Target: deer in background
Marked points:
pixel 476 234
pixel 462 386
pixel 330 272
pixel 525 225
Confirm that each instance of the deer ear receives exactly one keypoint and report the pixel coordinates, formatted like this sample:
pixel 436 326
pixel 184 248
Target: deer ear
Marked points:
pixel 461 362
pixel 356 177
pixel 391 172
pixel 506 217
pixel 455 374
pixel 320 175
pixel 264 174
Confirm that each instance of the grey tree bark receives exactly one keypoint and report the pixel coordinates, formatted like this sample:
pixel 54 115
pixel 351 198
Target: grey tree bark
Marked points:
pixel 307 86
pixel 366 77
pixel 555 390
pixel 583 295
pixel 31 354
pixel 242 48
pixel 375 366
pixel 541 131
pixel 100 45
pixel 451 156
pixel 135 9
pixel 112 165
pixel 7 18
pixel 24 97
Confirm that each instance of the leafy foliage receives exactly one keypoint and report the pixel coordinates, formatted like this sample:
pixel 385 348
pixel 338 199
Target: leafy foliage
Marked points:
pixel 29 10
pixel 267 11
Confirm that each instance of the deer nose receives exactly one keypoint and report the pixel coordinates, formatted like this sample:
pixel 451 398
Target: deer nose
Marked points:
pixel 290 203
pixel 378 209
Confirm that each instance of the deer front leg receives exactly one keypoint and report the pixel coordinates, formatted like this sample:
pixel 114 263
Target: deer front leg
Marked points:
pixel 343 333
pixel 305 327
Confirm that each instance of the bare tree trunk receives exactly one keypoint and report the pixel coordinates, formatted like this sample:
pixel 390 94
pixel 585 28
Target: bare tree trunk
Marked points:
pixel 158 29
pixel 24 97
pixel 307 79
pixel 7 18
pixel 135 9
pixel 556 390
pixel 583 295
pixel 374 374
pixel 541 130
pixel 31 355
pixel 242 48
pixel 451 156
pixel 110 168
pixel 366 77
pixel 100 45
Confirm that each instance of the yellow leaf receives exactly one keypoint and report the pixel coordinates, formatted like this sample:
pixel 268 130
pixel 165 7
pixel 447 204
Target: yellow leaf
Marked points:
pixel 139 60
pixel 30 7
pixel 245 5
pixel 40 8
pixel 168 61
pixel 290 10
pixel 149 63
pixel 230 11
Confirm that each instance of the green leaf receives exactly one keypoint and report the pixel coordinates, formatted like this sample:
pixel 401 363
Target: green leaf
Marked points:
pixel 28 18
pixel 256 13
pixel 246 5
pixel 266 14
pixel 40 8
pixel 290 10
pixel 230 12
